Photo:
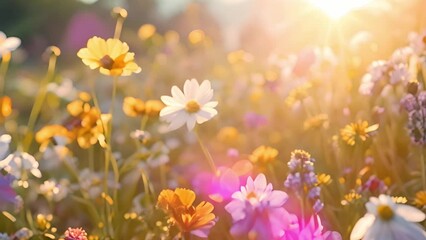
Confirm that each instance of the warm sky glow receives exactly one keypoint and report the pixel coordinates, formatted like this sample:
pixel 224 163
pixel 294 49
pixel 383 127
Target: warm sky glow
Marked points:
pixel 338 8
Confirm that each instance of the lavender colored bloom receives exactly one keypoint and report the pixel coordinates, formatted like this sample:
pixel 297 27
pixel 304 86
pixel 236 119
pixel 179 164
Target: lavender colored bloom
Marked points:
pixel 302 178
pixel 7 193
pixel 254 120
pixel 400 73
pixel 258 208
pixel 416 108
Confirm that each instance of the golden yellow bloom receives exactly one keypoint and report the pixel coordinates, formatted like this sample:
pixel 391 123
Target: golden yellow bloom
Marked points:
pixel 229 136
pixel 324 179
pixel 356 132
pixel 43 222
pixel 153 108
pixel 133 107
pixel 298 94
pixel 264 154
pixel 112 57
pixel 420 200
pixel 196 36
pixel 47 133
pixel 350 197
pixel 178 205
pixel 316 122
pixel 5 107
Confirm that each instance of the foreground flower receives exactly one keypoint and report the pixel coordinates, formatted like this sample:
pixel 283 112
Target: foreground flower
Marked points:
pixel 357 132
pixel 178 204
pixel 386 220
pixel 75 234
pixel 112 57
pixel 191 106
pixel 259 209
pixel 8 44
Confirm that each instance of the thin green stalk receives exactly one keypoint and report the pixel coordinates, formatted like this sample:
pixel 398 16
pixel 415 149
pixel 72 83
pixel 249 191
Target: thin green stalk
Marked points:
pixel 206 153
pixel 38 104
pixel 3 70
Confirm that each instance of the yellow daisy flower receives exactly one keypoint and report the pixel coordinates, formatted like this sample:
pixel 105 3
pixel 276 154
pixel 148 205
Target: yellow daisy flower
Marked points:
pixel 264 154
pixel 356 132
pixel 111 56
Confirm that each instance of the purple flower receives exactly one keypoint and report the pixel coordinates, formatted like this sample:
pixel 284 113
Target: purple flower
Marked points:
pixel 7 193
pixel 254 120
pixel 258 208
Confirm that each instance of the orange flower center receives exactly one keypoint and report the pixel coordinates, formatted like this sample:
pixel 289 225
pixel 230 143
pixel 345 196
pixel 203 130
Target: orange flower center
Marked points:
pixel 192 106
pixel 251 195
pixel 385 212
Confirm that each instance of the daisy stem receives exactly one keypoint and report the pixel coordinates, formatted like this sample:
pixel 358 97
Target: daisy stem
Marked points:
pixel 3 70
pixel 38 103
pixel 206 153
pixel 119 25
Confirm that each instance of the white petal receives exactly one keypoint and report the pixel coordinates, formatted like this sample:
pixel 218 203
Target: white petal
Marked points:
pixel 36 173
pixel 171 101
pixel 178 95
pixel 407 231
pixel 211 104
pixel 177 122
pixel 362 226
pixel 371 207
pixel 2 36
pixel 203 115
pixel 11 43
pixel 190 89
pixel 169 110
pixel 260 183
pixel 410 213
pixel 374 231
pixel 190 122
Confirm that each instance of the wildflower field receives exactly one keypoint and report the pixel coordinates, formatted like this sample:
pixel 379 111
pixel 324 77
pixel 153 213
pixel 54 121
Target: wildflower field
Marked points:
pixel 213 119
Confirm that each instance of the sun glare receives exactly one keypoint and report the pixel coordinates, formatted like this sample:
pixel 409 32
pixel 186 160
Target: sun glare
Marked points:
pixel 338 8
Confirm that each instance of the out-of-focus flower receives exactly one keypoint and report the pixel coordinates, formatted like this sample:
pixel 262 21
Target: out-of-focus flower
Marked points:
pixel 196 37
pixel 157 155
pixel 258 208
pixel 316 122
pixel 18 163
pixel 312 231
pixel 141 136
pixel 57 133
pixel 93 183
pixel 75 234
pixel 388 220
pixel 133 107
pixel 263 155
pixel 4 145
pixel 298 94
pixel 112 57
pixel 350 197
pixel 376 72
pixel 146 31
pixel 254 120
pixel 8 44
pixel 191 106
pixel 400 73
pixel 4 236
pixel 43 222
pixel 7 193
pixel 23 234
pixel 5 107
pixel 229 136
pixel 87 124
pixel 357 132
pixel 302 178
pixel 374 185
pixel 178 204
pixel 420 200
pixel 53 190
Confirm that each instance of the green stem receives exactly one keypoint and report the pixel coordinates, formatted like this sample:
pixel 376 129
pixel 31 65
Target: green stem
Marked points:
pixel 206 153
pixel 3 70
pixel 38 104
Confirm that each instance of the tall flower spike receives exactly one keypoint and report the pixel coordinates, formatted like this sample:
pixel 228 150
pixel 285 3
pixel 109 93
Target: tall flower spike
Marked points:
pixel 111 56
pixel 191 106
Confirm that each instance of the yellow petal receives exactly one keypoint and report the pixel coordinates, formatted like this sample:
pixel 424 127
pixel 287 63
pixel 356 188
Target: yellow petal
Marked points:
pixel 186 196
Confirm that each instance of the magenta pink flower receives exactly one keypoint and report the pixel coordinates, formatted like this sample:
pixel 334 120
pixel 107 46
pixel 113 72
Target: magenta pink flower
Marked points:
pixel 312 231
pixel 75 234
pixel 258 209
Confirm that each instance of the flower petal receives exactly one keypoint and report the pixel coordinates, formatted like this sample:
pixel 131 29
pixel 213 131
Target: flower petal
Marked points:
pixel 362 226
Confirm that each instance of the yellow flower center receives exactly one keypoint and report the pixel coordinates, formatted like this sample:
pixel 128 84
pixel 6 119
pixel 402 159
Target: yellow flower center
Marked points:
pixel 251 195
pixel 107 62
pixel 385 212
pixel 192 106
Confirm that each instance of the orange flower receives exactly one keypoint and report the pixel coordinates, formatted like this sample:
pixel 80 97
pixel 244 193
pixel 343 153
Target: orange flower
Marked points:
pixel 178 205
pixel 356 132
pixel 5 107
pixel 47 133
pixel 133 107
pixel 264 154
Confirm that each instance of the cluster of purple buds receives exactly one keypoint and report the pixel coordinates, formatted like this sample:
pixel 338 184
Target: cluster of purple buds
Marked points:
pixel 415 105
pixel 302 178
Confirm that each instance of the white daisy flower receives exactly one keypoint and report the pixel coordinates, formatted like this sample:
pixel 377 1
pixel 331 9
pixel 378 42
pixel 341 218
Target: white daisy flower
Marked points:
pixel 386 220
pixel 8 44
pixel 19 162
pixel 191 106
